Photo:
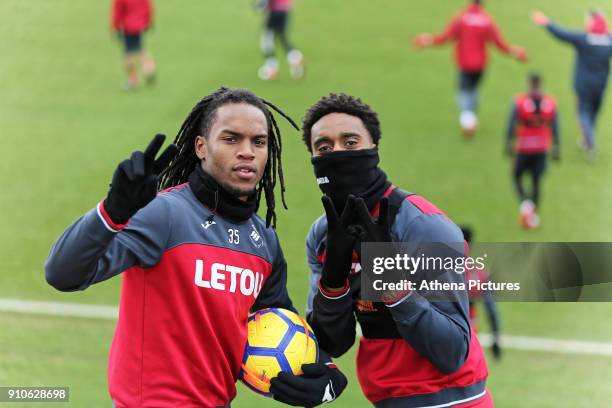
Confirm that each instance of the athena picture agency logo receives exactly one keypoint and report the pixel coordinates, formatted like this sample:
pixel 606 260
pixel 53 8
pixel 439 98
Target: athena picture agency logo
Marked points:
pixel 534 272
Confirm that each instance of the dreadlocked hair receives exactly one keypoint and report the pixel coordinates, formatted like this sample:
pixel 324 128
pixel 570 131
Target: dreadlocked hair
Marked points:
pixel 199 122
pixel 340 103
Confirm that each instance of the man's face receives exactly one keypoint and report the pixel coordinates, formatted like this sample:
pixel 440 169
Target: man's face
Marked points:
pixel 235 152
pixel 336 132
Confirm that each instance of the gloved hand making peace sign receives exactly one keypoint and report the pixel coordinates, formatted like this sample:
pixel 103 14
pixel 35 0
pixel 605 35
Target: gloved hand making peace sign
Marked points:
pixel 134 183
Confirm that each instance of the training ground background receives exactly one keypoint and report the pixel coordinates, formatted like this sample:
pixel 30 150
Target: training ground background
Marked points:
pixel 66 124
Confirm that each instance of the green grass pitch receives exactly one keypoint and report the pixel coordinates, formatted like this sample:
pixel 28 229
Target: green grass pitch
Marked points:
pixel 66 124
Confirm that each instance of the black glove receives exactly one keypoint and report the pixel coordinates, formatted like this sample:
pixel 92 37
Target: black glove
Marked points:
pixel 368 229
pixel 340 243
pixel 134 183
pixel 496 350
pixel 320 383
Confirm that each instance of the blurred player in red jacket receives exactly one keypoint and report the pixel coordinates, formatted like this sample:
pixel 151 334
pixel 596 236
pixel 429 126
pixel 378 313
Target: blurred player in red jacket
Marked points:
pixel 470 30
pixel 276 23
pixel 533 128
pixel 129 20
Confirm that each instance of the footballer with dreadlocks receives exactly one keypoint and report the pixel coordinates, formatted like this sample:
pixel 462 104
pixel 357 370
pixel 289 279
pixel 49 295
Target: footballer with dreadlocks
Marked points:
pixel 195 258
pixel 416 350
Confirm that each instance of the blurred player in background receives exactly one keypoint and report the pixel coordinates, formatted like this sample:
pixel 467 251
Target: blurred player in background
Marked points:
pixel 276 24
pixel 414 351
pixel 593 52
pixel 485 296
pixel 195 258
pixel 470 30
pixel 533 127
pixel 130 19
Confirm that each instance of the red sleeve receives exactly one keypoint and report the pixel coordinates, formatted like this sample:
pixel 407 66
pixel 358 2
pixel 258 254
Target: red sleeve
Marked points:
pixel 450 32
pixel 117 15
pixel 150 13
pixel 498 40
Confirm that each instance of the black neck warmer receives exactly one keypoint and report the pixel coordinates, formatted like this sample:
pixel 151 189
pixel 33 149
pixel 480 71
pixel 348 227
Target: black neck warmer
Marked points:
pixel 355 172
pixel 218 200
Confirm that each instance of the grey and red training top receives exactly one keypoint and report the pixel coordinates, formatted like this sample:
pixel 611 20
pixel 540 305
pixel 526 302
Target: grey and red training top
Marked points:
pixel 416 352
pixel 188 284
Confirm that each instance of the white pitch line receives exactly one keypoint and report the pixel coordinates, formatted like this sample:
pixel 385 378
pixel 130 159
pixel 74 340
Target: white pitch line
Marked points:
pixel 507 341
pixel 549 345
pixel 59 309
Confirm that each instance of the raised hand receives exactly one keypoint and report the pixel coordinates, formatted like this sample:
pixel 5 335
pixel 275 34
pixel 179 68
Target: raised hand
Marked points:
pixel 422 40
pixel 379 230
pixel 518 53
pixel 372 230
pixel 340 243
pixel 539 18
pixel 134 183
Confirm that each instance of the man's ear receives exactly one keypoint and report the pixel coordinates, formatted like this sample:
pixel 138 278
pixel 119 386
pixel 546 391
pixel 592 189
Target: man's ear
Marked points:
pixel 201 147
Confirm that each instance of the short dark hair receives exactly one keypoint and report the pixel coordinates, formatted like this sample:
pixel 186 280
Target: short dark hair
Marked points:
pixel 468 234
pixel 535 79
pixel 340 103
